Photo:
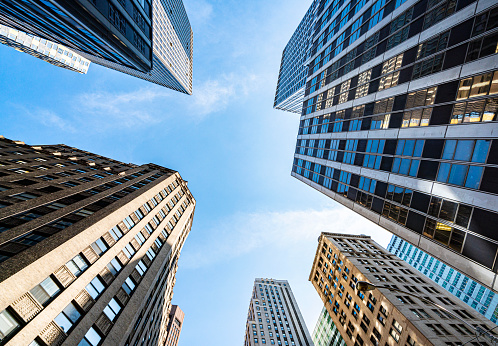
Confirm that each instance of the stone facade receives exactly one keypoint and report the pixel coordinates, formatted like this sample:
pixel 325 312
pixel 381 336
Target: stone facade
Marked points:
pixel 88 246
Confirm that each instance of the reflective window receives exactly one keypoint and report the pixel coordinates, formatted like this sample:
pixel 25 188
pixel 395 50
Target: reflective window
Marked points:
pixel 112 309
pixel 8 324
pixel 45 290
pixel 92 338
pixel 95 287
pixel 77 265
pixel 67 317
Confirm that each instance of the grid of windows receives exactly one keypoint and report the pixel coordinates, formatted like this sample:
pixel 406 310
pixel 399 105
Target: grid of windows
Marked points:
pixel 402 115
pixel 480 298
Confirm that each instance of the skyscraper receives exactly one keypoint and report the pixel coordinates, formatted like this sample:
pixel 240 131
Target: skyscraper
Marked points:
pixel 50 52
pixel 274 317
pixel 175 324
pixel 382 316
pixel 399 122
pixel 149 39
pixel 88 246
pixel 326 332
pixel 293 71
pixel 470 292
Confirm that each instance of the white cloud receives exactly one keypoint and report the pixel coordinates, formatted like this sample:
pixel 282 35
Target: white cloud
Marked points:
pixel 128 109
pixel 215 95
pixel 243 233
pixel 199 12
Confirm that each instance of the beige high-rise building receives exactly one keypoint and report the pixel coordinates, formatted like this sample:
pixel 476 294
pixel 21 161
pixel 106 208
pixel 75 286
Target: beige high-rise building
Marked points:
pixel 88 247
pixel 176 316
pixel 274 317
pixel 382 316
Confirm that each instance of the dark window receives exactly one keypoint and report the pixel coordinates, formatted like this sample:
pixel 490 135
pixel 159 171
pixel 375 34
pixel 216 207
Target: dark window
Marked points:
pixel 484 223
pixel 480 250
pixel 489 182
pixel 420 201
pixel 415 222
pixel 427 169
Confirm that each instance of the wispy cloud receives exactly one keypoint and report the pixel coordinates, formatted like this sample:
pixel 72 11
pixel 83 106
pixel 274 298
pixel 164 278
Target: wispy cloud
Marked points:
pixel 199 12
pixel 126 109
pixel 243 233
pixel 44 117
pixel 215 95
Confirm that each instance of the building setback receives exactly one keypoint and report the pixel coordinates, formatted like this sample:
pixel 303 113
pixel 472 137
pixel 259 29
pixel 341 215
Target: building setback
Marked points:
pixel 148 39
pixel 470 292
pixel 175 324
pixel 399 122
pixel 326 332
pixel 381 316
pixel 88 246
pixel 274 317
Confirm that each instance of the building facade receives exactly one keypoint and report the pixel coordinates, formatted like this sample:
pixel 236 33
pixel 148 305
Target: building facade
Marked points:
pixel 148 39
pixel 382 316
pixel 326 333
pixel 175 324
pixel 172 49
pixel 399 122
pixel 117 31
pixel 470 292
pixel 50 52
pixel 88 247
pixel 274 317
pixel 293 71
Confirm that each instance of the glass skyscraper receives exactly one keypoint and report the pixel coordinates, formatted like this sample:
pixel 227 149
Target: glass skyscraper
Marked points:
pixel 399 122
pixel 475 295
pixel 293 71
pixel 148 39
pixel 326 333
pixel 50 52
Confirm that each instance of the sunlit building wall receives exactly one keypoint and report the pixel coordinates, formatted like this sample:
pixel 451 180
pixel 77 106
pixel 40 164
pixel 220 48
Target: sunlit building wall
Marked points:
pixel 89 247
pixel 274 317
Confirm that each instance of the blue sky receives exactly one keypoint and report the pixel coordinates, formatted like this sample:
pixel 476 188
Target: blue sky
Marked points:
pixel 252 218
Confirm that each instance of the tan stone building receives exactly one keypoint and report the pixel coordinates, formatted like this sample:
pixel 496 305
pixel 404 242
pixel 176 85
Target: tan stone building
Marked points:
pixel 176 316
pixel 274 317
pixel 88 247
pixel 382 316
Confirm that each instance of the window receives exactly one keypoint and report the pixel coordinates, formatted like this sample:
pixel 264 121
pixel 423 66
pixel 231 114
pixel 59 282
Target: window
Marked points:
pixel 8 324
pixel 397 326
pixel 44 291
pixel 128 285
pixel 99 246
pixel 394 334
pixel 91 338
pixel 114 266
pixel 95 287
pixel 77 265
pixel 389 66
pixel 68 317
pixel 112 309
pixel 478 86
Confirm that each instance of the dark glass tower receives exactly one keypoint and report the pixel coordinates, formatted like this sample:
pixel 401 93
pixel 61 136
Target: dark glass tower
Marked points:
pixel 122 35
pixel 399 122
pixel 117 31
